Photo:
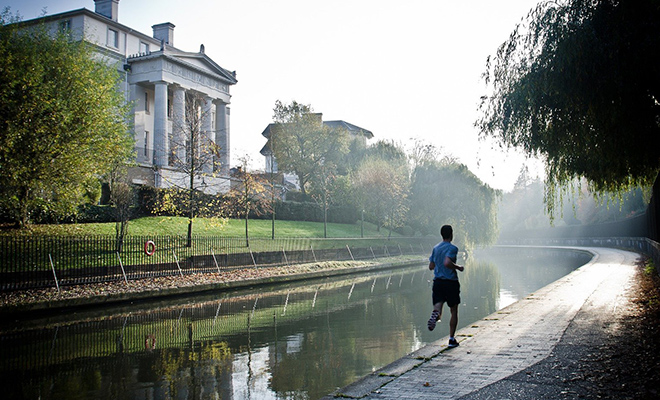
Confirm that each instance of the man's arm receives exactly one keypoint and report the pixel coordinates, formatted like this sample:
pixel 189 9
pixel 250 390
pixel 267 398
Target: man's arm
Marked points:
pixel 431 266
pixel 449 263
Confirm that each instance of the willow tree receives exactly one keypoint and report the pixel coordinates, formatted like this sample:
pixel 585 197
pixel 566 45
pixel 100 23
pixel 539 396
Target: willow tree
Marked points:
pixel 448 193
pixel 62 120
pixel 578 84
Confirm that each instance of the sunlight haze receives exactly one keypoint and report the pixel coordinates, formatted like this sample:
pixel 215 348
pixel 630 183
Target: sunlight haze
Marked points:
pixel 399 69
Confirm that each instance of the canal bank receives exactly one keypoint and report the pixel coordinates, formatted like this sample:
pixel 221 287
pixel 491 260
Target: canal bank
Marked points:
pixel 526 350
pixel 27 303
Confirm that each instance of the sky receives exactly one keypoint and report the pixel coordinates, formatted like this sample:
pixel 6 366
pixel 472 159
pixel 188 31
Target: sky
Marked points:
pixel 402 70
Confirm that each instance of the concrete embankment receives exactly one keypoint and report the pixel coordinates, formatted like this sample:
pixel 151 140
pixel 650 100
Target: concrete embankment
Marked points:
pixel 28 302
pixel 510 340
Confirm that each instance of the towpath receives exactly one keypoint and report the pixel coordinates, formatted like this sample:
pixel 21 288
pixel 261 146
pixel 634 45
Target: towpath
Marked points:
pixel 523 351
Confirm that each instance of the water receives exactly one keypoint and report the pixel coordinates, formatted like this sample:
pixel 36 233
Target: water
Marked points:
pixel 297 341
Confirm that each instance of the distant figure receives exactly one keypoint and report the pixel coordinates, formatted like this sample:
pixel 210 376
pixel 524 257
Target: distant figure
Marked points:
pixel 446 288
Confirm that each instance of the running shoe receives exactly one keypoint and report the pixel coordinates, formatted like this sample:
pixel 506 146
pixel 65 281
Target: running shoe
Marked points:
pixel 434 319
pixel 452 343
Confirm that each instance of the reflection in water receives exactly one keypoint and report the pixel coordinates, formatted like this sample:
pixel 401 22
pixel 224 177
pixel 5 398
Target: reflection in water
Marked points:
pixel 292 341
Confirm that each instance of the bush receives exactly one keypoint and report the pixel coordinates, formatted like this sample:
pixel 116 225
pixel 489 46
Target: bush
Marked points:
pixel 307 211
pixel 90 213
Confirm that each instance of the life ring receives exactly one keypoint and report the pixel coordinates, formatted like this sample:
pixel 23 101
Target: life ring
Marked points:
pixel 149 248
pixel 150 342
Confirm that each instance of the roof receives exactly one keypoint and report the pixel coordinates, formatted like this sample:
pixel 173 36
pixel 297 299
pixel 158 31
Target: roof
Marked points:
pixel 171 51
pixel 352 129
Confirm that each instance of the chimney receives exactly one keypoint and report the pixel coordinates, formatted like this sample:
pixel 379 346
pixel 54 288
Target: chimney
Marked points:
pixel 164 32
pixel 107 8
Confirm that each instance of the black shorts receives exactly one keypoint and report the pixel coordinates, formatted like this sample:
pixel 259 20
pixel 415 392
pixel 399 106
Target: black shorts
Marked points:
pixel 446 291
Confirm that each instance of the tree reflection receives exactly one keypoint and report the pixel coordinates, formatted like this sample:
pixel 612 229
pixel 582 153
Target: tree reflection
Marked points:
pixel 296 340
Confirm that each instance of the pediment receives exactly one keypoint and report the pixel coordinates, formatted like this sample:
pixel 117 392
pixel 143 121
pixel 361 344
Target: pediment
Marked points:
pixel 204 63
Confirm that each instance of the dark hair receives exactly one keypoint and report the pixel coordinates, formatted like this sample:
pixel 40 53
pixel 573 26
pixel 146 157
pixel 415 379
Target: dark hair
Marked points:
pixel 447 232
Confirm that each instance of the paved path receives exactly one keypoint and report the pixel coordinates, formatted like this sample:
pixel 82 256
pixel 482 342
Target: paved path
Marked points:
pixel 508 341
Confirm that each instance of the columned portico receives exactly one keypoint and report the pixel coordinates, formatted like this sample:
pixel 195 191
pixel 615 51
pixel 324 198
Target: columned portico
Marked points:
pixel 179 123
pixel 183 79
pixel 161 136
pixel 222 135
pixel 208 133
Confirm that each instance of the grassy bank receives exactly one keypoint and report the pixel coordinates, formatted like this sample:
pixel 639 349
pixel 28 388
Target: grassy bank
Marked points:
pixel 177 226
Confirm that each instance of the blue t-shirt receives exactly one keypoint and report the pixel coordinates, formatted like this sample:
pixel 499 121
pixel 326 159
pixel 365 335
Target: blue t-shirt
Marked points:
pixel 440 251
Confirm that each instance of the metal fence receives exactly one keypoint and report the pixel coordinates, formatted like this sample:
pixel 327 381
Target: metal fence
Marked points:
pixel 638 244
pixel 48 261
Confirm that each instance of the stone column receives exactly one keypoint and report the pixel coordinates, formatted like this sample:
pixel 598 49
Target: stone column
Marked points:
pixel 161 137
pixel 222 135
pixel 179 130
pixel 208 133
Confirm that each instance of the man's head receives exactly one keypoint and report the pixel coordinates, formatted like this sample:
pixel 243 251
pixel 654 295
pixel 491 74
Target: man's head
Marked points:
pixel 447 232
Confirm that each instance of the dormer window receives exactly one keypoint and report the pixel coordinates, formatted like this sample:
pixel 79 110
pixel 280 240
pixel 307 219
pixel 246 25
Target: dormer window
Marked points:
pixel 144 48
pixel 113 38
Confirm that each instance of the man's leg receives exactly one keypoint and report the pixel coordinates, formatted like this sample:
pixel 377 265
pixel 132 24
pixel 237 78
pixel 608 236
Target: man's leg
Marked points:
pixel 435 315
pixel 453 321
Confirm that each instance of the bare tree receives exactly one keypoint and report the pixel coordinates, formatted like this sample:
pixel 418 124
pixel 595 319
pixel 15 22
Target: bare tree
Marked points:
pixel 251 193
pixel 122 198
pixel 195 155
pixel 322 190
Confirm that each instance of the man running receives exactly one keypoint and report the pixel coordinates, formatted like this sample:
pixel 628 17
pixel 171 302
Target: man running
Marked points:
pixel 446 288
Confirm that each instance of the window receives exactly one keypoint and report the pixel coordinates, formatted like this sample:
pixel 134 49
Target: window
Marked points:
pixel 144 48
pixel 146 144
pixel 146 101
pixel 65 26
pixel 169 107
pixel 113 38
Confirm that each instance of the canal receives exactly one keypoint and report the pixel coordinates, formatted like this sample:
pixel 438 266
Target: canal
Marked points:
pixel 294 341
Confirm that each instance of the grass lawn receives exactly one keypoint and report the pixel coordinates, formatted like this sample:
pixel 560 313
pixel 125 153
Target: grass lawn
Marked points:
pixel 178 226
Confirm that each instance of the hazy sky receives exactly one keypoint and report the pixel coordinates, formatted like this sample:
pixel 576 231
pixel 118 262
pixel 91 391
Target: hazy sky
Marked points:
pixel 400 69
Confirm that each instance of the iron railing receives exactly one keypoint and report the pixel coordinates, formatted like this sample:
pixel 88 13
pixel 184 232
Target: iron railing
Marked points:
pixel 642 245
pixel 47 261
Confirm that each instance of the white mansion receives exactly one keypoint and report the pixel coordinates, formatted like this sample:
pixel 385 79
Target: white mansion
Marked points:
pixel 159 81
